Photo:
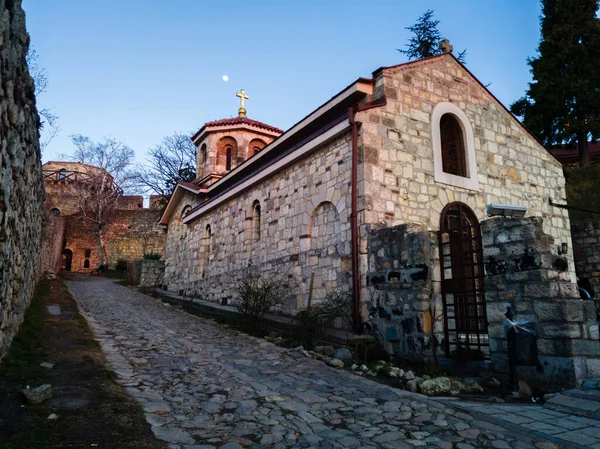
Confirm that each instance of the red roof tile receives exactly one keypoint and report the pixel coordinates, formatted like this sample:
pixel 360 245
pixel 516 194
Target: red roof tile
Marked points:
pixel 238 121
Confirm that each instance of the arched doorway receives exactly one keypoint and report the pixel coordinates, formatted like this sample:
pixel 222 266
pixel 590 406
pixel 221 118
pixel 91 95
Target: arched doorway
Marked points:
pixel 463 296
pixel 67 257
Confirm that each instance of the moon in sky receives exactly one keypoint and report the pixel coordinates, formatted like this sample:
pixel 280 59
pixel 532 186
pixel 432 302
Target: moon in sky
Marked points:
pixel 225 78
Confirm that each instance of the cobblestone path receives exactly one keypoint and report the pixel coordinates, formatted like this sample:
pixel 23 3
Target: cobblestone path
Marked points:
pixel 204 386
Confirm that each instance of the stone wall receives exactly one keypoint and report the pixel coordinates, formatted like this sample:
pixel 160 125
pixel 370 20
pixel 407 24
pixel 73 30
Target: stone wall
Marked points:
pixel 304 229
pixel 524 272
pixel 21 191
pixel 399 178
pixel 152 273
pixel 586 248
pixel 400 289
pixel 133 233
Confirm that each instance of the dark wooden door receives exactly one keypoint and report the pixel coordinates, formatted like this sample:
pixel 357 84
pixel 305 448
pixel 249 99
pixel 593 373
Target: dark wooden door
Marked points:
pixel 463 296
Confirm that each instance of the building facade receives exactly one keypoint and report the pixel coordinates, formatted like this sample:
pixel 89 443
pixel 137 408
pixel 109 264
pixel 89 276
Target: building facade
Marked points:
pixel 383 192
pixel 70 241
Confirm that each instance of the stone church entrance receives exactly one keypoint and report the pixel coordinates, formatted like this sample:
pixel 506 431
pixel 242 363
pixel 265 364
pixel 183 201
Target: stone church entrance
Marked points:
pixel 463 296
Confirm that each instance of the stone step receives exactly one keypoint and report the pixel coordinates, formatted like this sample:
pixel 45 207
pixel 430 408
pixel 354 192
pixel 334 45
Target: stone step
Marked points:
pixel 576 402
pixel 591 384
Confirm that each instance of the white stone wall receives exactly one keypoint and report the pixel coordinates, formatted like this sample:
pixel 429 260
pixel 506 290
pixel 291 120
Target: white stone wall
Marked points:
pixel 305 228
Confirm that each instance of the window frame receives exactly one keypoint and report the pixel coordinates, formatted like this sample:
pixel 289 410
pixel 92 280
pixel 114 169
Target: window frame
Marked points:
pixel 469 182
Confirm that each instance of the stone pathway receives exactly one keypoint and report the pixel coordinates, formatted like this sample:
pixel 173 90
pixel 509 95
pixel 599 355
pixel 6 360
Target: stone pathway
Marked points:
pixel 566 427
pixel 204 386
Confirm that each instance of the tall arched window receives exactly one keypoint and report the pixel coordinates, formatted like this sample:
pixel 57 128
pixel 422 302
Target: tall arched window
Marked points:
pixel 206 249
pixel 256 221
pixel 203 159
pixel 62 174
pixel 453 146
pixel 454 160
pixel 226 153
pixel 228 158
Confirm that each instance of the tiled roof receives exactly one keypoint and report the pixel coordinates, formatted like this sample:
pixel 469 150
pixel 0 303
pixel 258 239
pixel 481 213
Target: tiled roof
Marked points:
pixel 238 121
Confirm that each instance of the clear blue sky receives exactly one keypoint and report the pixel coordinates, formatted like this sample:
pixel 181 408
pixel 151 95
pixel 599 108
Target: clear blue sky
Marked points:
pixel 138 70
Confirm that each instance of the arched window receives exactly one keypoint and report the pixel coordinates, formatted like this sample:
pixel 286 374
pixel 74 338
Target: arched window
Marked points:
pixel 86 263
pixel 228 158
pixel 185 210
pixel 255 146
pixel 256 221
pixel 55 212
pixel 203 159
pixel 206 249
pixel 454 159
pixel 226 153
pixel 453 146
pixel 62 174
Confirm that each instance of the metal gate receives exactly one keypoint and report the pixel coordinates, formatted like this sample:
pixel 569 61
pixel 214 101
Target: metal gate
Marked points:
pixel 463 296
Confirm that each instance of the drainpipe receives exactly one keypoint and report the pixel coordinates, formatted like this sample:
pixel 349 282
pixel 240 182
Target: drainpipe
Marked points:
pixel 354 206
pixel 354 220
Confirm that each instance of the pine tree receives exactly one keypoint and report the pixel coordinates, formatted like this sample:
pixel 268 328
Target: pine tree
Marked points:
pixel 562 103
pixel 426 39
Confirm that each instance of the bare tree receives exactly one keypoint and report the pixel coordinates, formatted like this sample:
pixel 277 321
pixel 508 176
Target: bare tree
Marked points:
pixel 105 182
pixel 173 160
pixel 49 121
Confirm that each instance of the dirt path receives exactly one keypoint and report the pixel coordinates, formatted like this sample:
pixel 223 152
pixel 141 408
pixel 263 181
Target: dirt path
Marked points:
pixel 92 409
pixel 204 386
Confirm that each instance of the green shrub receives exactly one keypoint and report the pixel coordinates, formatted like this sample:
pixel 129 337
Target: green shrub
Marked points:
pixel 311 324
pixel 152 256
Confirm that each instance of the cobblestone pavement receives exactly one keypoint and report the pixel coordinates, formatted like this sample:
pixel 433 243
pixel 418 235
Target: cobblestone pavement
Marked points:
pixel 204 386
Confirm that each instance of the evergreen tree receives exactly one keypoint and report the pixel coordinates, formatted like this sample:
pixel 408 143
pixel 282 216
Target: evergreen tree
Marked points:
pixel 562 103
pixel 426 39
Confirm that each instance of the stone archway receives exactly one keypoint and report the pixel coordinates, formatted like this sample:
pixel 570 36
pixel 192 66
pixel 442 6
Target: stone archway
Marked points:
pixel 67 259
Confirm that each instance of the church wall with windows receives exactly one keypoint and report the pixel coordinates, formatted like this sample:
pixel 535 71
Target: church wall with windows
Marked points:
pixel 293 224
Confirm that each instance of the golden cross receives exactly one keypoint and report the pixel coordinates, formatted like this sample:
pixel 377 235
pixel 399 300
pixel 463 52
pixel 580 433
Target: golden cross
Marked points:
pixel 243 96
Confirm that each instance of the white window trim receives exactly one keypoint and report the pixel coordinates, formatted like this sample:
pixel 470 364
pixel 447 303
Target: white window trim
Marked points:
pixel 470 182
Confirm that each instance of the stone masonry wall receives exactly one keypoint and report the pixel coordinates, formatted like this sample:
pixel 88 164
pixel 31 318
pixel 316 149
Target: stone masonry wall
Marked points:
pixel 524 272
pixel 152 273
pixel 400 289
pixel 21 191
pixel 304 229
pixel 396 144
pixel 586 248
pixel 133 233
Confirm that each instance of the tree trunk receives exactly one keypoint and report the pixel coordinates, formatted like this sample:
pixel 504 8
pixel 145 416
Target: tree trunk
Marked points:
pixel 584 151
pixel 100 247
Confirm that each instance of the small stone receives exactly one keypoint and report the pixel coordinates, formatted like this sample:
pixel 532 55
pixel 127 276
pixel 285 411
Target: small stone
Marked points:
pixel 436 386
pixel 172 435
pixel 364 368
pixel 412 385
pixel 47 365
pixel 524 390
pixel 39 394
pixel 343 354
pixel 336 363
pixel 409 375
pixel 299 348
pixel 325 350
pixel 354 367
pixel 52 416
pixel 499 444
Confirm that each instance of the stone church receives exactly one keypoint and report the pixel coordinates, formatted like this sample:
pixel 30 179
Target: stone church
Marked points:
pixel 417 191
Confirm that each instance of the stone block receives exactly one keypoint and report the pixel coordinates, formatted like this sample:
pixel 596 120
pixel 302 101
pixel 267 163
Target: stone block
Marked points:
pixel 558 310
pixel 561 330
